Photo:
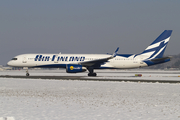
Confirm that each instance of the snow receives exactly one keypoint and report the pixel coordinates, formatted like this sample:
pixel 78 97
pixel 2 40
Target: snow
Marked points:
pixel 32 99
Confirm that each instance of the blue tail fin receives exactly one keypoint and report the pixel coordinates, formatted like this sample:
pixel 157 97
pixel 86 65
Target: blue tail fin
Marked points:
pixel 157 48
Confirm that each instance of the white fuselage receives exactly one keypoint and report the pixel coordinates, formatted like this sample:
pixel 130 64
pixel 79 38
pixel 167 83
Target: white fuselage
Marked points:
pixel 61 60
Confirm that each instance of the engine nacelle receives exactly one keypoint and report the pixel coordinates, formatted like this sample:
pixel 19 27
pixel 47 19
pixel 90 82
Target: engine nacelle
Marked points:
pixel 74 68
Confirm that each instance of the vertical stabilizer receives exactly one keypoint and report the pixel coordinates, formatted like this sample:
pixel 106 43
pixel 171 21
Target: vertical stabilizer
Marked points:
pixel 157 48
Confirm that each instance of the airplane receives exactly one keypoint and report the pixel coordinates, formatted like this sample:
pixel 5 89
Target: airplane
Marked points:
pixel 75 63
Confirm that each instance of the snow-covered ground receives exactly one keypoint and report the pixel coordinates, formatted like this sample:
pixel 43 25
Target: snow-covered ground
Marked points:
pixel 105 74
pixel 32 99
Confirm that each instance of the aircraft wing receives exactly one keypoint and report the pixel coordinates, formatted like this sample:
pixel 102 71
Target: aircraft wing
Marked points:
pixel 98 62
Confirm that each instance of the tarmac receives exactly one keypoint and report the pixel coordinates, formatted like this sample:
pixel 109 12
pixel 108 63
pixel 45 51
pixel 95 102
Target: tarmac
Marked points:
pixel 82 78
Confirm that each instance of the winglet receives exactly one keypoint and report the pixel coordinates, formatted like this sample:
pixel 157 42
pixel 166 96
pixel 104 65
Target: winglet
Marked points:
pixel 115 53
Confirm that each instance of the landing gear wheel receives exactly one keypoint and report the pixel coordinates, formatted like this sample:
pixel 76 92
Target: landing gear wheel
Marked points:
pixel 91 71
pixel 92 74
pixel 27 74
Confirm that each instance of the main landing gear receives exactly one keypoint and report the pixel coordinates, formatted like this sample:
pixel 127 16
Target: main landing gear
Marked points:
pixel 91 72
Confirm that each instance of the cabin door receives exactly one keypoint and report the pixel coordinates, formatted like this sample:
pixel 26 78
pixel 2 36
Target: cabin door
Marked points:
pixel 24 59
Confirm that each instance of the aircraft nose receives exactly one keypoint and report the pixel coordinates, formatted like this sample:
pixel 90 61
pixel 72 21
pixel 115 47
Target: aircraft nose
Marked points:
pixel 9 63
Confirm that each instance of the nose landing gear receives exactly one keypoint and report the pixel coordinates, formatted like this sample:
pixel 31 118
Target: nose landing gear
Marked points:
pixel 27 73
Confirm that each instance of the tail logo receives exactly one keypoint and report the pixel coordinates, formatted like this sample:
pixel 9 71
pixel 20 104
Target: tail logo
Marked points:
pixel 157 48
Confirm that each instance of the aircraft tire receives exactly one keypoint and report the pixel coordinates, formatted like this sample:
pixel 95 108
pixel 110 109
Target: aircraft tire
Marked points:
pixel 27 74
pixel 92 74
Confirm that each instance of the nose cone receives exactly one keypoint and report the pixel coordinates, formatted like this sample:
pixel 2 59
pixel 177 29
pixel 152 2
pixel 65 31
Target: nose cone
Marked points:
pixel 9 63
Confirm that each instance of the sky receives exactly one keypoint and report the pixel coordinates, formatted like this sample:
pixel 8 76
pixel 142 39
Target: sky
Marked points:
pixel 81 26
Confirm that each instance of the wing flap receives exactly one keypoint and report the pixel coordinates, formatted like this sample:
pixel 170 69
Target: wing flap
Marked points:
pixel 95 62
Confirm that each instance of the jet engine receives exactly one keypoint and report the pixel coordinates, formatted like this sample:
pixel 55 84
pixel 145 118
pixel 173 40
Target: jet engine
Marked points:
pixel 74 68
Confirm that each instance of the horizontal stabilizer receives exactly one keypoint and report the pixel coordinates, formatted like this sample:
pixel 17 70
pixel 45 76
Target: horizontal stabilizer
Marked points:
pixel 161 59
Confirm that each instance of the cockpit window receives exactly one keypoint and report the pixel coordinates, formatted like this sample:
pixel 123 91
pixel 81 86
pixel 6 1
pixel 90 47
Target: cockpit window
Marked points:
pixel 14 59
